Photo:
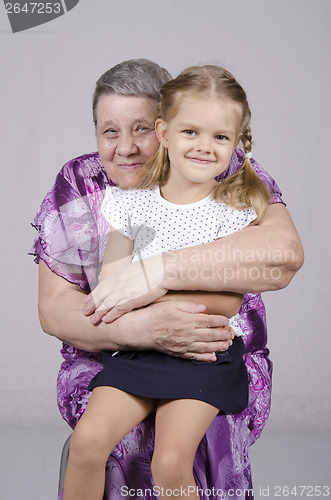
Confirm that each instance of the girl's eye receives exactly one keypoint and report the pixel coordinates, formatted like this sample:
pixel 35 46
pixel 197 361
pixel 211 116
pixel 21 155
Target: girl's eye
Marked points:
pixel 189 132
pixel 221 138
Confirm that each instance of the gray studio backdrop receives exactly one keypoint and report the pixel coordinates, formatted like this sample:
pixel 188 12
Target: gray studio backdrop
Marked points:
pixel 280 53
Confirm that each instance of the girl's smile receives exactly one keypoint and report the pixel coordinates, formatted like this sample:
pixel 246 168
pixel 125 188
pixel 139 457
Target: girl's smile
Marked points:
pixel 200 140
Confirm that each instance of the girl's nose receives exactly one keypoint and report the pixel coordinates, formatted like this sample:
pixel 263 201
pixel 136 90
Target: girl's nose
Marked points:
pixel 126 145
pixel 203 145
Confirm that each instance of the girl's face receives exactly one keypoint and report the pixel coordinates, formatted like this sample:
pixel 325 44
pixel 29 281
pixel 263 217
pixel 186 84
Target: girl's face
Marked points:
pixel 200 139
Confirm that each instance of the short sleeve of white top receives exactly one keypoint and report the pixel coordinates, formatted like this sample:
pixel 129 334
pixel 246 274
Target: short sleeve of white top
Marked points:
pixel 157 226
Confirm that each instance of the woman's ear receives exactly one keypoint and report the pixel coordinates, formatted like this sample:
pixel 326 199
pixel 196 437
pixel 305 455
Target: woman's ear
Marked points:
pixel 161 132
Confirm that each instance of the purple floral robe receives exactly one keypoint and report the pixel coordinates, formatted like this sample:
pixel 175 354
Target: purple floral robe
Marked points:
pixel 72 234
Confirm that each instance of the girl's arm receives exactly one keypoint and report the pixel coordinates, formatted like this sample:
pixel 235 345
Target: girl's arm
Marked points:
pixel 117 254
pixel 224 303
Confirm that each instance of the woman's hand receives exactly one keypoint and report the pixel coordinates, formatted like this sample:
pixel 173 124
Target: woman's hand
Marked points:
pixel 179 329
pixel 130 287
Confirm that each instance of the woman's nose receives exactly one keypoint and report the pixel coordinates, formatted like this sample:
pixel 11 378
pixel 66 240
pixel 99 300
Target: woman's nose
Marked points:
pixel 126 145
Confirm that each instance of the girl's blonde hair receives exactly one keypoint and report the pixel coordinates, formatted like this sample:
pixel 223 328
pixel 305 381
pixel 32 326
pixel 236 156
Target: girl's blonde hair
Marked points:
pixel 242 189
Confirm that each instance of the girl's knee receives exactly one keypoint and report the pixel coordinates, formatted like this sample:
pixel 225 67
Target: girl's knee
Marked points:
pixel 88 444
pixel 170 466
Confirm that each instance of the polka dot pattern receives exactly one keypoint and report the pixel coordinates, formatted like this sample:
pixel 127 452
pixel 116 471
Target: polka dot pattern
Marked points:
pixel 158 226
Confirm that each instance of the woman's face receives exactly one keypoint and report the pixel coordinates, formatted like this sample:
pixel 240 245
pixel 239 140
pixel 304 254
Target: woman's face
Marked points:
pixel 125 136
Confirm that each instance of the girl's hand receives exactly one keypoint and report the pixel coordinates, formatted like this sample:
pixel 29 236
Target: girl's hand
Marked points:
pixel 130 287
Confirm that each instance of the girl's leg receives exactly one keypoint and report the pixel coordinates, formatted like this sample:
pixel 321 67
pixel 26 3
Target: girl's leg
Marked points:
pixel 109 416
pixel 179 427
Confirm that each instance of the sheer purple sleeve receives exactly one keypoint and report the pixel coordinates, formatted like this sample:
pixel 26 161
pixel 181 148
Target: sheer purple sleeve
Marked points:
pixel 68 236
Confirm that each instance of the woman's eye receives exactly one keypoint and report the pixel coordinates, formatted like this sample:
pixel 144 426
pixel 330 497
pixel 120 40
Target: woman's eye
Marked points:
pixel 142 129
pixel 110 132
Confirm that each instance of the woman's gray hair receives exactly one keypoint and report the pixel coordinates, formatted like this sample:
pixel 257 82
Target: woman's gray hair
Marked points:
pixel 138 77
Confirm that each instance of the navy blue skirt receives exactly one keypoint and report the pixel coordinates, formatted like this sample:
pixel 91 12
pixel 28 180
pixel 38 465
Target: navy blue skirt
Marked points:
pixel 152 374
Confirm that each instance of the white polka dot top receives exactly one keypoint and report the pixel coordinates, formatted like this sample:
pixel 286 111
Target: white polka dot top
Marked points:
pixel 158 226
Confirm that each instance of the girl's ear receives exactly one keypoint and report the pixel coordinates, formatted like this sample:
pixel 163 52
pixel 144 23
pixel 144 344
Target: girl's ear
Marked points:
pixel 161 132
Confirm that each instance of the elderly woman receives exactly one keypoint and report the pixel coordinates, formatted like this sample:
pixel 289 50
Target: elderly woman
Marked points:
pixel 69 250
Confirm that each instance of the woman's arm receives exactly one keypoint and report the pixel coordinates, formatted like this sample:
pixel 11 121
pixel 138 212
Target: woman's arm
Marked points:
pixel 118 254
pixel 177 328
pixel 143 274
pixel 256 259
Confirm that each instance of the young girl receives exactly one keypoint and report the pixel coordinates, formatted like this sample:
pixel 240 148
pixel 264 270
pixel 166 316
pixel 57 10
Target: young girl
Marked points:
pixel 202 117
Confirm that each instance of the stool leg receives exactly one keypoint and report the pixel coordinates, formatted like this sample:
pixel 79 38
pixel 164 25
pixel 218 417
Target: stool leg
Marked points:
pixel 63 463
